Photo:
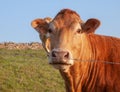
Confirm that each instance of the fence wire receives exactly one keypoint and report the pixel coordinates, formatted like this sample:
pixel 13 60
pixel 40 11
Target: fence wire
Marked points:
pixel 100 61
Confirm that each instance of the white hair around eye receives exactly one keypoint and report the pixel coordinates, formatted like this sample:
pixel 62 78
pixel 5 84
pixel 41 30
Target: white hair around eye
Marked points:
pixel 47 35
pixel 52 26
pixel 78 26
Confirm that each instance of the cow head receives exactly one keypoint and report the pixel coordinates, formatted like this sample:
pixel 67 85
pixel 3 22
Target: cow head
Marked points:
pixel 62 37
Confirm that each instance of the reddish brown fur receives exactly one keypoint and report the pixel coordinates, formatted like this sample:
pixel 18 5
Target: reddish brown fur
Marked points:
pixel 99 76
pixel 96 66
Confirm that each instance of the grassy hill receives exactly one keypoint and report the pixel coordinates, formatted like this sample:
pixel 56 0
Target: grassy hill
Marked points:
pixel 28 71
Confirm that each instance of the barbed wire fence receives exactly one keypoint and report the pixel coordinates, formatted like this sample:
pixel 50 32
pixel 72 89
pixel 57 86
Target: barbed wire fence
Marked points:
pixel 38 46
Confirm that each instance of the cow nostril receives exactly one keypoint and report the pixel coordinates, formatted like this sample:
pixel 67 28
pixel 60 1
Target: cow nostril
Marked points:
pixel 66 55
pixel 60 54
pixel 53 54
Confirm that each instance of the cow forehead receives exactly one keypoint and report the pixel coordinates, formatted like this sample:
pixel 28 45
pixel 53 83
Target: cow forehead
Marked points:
pixel 66 17
pixel 73 26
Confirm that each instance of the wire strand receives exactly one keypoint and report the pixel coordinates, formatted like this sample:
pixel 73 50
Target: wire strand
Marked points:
pixel 102 61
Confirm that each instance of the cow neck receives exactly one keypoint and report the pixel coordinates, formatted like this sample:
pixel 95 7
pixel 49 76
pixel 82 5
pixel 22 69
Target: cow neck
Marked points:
pixel 79 76
pixel 68 78
pixel 85 52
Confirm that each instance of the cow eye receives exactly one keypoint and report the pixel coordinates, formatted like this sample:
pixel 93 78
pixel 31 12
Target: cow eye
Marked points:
pixel 49 30
pixel 79 31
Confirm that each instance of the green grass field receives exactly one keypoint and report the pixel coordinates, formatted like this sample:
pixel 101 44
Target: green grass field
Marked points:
pixel 28 71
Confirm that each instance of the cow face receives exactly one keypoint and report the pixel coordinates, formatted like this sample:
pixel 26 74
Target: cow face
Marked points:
pixel 66 33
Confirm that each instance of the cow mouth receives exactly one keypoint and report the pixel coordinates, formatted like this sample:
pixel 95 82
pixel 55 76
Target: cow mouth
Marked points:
pixel 60 64
pixel 60 61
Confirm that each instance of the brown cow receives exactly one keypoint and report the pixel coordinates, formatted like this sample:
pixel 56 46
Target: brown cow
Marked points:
pixel 87 62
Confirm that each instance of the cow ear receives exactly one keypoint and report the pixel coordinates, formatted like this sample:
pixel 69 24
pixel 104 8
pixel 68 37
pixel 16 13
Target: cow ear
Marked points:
pixel 91 25
pixel 41 26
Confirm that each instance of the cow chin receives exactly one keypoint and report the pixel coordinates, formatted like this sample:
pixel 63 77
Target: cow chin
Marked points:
pixel 61 67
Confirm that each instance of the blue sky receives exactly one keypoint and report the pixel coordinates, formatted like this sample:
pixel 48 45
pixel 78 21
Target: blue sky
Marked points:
pixel 16 16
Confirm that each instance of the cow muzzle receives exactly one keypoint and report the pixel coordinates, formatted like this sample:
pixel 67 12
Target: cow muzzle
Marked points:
pixel 60 58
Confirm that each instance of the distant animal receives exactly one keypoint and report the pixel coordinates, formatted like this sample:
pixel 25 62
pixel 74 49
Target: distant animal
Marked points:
pixel 88 62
